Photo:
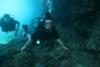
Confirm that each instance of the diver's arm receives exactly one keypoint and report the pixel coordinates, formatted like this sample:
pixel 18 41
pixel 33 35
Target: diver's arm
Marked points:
pixel 17 28
pixel 61 44
pixel 26 44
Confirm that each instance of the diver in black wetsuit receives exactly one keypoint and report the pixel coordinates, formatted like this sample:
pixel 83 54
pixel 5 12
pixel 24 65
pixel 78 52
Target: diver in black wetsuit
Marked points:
pixel 45 32
pixel 8 24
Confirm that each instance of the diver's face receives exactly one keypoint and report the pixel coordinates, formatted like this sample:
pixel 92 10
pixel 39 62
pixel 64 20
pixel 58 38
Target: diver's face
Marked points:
pixel 48 24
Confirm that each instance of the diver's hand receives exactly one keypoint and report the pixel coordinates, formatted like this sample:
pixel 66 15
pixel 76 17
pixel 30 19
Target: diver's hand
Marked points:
pixel 65 48
pixel 61 44
pixel 26 44
pixel 22 49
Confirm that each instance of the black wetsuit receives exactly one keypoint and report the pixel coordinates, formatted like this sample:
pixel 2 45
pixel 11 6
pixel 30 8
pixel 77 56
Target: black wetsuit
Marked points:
pixel 41 33
pixel 46 37
pixel 9 25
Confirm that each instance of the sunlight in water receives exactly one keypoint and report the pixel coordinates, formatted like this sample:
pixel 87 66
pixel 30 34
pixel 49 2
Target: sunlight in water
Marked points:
pixel 22 10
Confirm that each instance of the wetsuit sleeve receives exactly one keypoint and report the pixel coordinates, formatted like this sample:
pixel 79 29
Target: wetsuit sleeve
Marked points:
pixel 17 26
pixel 16 22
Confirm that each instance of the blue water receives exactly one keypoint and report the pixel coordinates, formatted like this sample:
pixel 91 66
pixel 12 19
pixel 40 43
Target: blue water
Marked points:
pixel 22 10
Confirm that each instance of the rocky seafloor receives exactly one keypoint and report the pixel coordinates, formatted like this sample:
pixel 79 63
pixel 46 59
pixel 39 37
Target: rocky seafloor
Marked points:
pixel 78 23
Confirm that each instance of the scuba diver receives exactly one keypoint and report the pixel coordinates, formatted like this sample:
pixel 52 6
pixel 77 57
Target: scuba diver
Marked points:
pixel 8 24
pixel 26 32
pixel 45 32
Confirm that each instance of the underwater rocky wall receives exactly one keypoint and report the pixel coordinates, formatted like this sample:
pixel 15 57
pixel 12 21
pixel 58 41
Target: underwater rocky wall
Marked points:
pixel 69 12
pixel 80 15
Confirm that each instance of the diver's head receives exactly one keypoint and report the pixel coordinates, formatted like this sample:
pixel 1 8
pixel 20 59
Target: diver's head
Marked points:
pixel 6 17
pixel 25 28
pixel 48 24
pixel 48 20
